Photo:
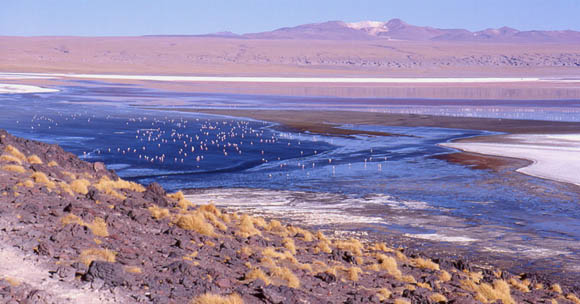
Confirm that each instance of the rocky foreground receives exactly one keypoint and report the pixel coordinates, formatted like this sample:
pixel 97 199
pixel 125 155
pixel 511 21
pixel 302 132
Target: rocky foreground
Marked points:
pixel 72 231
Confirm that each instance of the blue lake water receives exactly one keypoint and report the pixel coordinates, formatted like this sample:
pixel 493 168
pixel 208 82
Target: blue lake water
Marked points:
pixel 99 122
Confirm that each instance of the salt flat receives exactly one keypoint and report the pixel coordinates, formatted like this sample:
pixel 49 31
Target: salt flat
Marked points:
pixel 20 88
pixel 553 156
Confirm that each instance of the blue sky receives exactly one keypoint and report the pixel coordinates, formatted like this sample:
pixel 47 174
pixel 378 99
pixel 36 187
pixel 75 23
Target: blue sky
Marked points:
pixel 141 17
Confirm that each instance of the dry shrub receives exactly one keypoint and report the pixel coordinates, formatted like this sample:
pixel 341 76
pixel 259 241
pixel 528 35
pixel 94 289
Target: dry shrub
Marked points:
pixel 246 250
pixel 272 253
pixel 383 294
pixel 108 186
pixel 257 273
pixel 438 298
pixel 556 288
pixel 572 297
pixel 14 168
pixel 444 276
pixel 195 222
pixel 178 196
pixel 390 265
pixel 41 178
pixel 52 163
pixel 95 254
pixel 71 219
pixel 324 246
pixel 286 275
pixel 212 218
pixel 352 245
pixel 246 227
pixel 306 235
pixel 409 279
pixel 99 227
pixel 133 269
pixel 217 299
pixel 289 244
pixel 10 159
pixel 158 212
pixel 80 186
pixel 34 159
pixel 424 285
pixel 12 281
pixel 277 228
pixel 15 152
pixel 381 247
pixel 28 183
pixel 66 188
pixel 517 284
pixel 486 292
pixel 424 264
pixel 211 208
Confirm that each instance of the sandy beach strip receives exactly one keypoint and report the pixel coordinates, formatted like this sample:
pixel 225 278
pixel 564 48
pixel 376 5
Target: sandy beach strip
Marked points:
pixel 386 80
pixel 6 88
pixel 553 156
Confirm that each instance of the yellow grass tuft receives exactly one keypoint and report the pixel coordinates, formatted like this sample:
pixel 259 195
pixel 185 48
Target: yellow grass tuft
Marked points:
pixel 390 265
pixel 52 163
pixel 424 264
pixel 353 273
pixel 195 222
pixel 401 301
pixel 246 250
pixel 95 254
pixel 277 228
pixel 486 292
pixel 176 196
pixel 286 275
pixel 409 279
pixel 444 276
pixel 10 159
pixel 211 208
pixel 12 281
pixel 257 273
pixel 71 219
pixel 246 227
pixel 98 227
pixel 28 183
pixel 572 297
pixel 381 247
pixel 34 159
pixel 306 235
pixel 158 212
pixel 424 285
pixel 539 286
pixel 556 288
pixel 352 245
pixel 66 188
pixel 517 284
pixel 14 168
pixel 272 253
pixel 384 294
pixel 289 244
pixel 110 187
pixel 212 218
pixel 133 269
pixel 323 245
pixel 438 298
pixel 217 299
pixel 15 152
pixel 41 178
pixel 80 186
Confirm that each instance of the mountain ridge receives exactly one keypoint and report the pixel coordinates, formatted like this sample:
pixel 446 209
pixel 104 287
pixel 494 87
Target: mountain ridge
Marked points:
pixel 398 30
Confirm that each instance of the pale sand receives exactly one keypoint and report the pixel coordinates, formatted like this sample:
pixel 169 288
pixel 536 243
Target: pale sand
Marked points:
pixel 554 156
pixel 20 89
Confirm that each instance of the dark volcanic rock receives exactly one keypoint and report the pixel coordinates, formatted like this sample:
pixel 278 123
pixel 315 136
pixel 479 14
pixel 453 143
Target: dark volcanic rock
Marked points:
pixel 110 273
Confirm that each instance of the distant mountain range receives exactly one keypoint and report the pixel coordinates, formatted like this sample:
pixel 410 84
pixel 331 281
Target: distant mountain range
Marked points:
pixel 396 29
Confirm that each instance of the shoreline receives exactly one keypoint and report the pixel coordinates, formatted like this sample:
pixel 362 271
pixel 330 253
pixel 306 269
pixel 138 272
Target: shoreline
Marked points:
pixel 6 88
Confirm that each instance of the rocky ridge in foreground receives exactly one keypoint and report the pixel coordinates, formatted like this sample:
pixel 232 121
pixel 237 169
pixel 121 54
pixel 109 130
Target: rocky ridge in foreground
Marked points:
pixel 89 234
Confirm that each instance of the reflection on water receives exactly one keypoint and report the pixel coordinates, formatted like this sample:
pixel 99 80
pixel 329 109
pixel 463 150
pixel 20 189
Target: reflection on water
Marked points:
pixel 373 183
